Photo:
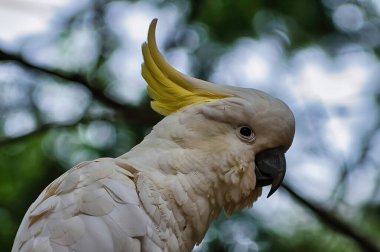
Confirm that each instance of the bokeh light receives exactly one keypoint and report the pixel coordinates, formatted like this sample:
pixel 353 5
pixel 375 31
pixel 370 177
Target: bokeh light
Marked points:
pixel 325 68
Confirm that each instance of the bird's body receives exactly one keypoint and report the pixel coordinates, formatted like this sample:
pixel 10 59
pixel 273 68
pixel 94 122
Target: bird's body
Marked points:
pixel 163 194
pixel 109 205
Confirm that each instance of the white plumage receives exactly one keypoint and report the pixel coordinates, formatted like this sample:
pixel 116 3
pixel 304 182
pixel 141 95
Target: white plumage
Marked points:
pixel 164 193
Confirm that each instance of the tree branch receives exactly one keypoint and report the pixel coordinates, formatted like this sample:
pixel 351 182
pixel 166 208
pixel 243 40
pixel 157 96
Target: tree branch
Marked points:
pixel 47 127
pixel 334 222
pixel 132 113
pixel 40 130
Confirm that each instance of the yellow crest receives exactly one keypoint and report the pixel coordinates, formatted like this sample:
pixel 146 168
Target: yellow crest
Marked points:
pixel 170 89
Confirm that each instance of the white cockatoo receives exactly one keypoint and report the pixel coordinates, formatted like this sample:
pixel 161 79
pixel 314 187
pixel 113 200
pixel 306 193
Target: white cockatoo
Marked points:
pixel 214 150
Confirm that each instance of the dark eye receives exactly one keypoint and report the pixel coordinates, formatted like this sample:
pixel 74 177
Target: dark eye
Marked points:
pixel 245 133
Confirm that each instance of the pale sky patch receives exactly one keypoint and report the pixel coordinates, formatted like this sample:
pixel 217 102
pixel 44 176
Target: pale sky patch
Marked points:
pixel 19 18
pixel 250 63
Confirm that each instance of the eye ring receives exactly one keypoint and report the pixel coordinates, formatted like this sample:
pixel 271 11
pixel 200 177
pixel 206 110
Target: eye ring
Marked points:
pixel 245 133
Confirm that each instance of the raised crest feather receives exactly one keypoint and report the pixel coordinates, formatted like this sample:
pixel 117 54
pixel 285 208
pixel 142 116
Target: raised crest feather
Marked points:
pixel 170 89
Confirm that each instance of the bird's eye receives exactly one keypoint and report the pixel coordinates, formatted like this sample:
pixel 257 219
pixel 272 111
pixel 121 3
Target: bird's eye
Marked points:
pixel 246 133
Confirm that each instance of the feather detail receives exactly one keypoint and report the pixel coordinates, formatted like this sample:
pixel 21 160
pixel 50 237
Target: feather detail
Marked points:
pixel 92 207
pixel 169 89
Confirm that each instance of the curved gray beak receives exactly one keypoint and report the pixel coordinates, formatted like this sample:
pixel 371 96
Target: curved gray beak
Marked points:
pixel 270 169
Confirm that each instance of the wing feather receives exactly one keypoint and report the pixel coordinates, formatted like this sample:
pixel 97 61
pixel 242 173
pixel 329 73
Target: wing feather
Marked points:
pixel 92 207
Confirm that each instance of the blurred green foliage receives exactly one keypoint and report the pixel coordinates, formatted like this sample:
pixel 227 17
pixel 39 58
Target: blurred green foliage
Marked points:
pixel 29 165
pixel 305 21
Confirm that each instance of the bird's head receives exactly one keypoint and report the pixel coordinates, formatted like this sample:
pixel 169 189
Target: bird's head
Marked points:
pixel 245 132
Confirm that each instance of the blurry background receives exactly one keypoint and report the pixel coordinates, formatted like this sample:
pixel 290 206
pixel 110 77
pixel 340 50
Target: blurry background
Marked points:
pixel 71 90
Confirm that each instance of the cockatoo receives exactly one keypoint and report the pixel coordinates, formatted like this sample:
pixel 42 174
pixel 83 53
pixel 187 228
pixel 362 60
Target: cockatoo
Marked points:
pixel 215 149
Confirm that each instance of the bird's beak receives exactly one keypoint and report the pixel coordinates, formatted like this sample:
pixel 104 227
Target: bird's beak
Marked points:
pixel 270 169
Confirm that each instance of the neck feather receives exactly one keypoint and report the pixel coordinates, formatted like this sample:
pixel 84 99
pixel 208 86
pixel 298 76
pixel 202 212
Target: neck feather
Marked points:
pixel 183 189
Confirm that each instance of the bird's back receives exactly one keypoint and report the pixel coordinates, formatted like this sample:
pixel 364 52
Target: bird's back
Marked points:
pixel 92 207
